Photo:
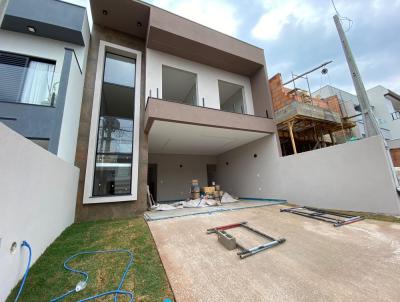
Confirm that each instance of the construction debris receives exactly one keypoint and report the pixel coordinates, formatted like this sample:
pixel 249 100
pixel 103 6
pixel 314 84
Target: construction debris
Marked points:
pixel 230 242
pixel 195 203
pixel 336 218
pixel 199 198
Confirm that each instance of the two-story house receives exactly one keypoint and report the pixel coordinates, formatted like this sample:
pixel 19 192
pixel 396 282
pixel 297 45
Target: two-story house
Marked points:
pixel 163 97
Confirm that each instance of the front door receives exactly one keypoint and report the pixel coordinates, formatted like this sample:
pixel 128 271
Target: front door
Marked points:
pixel 211 174
pixel 152 180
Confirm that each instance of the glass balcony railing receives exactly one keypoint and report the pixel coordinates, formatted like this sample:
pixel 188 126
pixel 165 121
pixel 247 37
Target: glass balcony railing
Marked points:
pixel 35 85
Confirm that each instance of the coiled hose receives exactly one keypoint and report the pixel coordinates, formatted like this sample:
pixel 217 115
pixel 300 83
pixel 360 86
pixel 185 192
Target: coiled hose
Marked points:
pixel 24 244
pixel 82 284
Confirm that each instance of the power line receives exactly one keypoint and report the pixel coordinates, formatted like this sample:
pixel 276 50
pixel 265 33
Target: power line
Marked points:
pixel 350 22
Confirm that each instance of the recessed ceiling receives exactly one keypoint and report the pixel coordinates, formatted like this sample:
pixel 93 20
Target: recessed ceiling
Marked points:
pixel 122 15
pixel 178 138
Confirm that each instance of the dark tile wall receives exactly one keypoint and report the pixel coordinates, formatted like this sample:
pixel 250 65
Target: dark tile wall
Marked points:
pixel 120 209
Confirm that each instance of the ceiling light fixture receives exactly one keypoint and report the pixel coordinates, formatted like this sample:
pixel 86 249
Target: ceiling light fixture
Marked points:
pixel 31 29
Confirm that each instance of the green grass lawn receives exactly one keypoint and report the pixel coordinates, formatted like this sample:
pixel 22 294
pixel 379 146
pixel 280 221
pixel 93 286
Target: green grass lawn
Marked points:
pixel 147 279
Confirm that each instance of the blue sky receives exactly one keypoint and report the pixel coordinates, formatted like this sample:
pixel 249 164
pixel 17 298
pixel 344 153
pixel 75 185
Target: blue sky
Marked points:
pixel 297 35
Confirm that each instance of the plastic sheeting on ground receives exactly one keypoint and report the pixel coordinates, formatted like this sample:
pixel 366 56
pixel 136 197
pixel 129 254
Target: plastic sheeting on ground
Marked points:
pixel 195 203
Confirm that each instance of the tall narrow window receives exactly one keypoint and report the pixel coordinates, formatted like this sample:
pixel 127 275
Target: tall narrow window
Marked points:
pixel 113 169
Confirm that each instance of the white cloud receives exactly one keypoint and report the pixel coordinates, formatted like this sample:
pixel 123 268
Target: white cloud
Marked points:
pixel 279 13
pixel 219 15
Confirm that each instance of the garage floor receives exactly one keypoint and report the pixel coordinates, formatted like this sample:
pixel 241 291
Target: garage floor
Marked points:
pixel 357 262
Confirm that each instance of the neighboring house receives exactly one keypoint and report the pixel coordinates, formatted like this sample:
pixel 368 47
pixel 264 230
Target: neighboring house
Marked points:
pixel 386 104
pixel 382 107
pixel 43 53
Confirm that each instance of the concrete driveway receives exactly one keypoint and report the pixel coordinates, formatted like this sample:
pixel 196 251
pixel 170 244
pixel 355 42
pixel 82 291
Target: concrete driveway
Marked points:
pixel 357 262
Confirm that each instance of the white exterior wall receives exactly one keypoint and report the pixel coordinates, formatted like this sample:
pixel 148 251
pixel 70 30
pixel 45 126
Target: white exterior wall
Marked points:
pixel 383 109
pixel 38 194
pixel 173 182
pixel 40 47
pixel 351 176
pixel 207 78
pixel 72 111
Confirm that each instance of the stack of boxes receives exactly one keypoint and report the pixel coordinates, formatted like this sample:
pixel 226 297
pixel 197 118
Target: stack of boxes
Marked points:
pixel 212 192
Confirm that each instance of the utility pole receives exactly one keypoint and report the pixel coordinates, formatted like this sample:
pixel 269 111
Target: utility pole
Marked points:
pixel 370 124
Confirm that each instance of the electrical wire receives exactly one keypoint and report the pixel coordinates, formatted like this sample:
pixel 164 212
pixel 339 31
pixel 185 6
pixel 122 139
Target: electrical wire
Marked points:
pixel 82 284
pixel 24 244
pixel 350 22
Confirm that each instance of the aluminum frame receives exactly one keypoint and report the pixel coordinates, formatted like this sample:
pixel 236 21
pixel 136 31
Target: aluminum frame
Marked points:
pixel 324 215
pixel 247 252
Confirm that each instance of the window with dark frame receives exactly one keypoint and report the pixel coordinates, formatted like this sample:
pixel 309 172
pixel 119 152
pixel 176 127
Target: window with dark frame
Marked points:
pixel 28 80
pixel 113 163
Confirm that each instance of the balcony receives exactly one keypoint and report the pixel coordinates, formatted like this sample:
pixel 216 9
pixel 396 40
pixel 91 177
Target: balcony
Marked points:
pixel 176 128
pixel 171 111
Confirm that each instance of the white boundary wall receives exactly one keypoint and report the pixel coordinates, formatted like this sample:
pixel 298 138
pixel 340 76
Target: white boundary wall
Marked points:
pixel 351 176
pixel 37 202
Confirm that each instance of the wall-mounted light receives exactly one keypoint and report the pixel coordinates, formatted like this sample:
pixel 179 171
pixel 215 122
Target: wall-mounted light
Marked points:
pixel 105 12
pixel 31 29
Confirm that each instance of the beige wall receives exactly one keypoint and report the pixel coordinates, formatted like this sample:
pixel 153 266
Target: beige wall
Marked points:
pixel 37 202
pixel 352 176
pixel 173 181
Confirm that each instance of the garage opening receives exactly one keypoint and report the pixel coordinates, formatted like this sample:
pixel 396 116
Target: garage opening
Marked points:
pixel 179 85
pixel 171 175
pixel 231 97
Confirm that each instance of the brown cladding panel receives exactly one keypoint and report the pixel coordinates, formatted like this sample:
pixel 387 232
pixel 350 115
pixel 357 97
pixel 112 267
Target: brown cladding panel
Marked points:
pixel 180 113
pixel 193 31
pixel 192 50
pixel 114 210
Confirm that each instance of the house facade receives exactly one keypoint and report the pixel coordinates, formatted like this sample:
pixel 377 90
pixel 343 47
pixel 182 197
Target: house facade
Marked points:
pixel 163 97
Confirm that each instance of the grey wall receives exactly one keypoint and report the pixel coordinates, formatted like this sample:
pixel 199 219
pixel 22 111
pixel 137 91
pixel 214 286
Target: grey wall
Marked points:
pixel 51 19
pixel 35 121
pixel 173 182
pixel 351 176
